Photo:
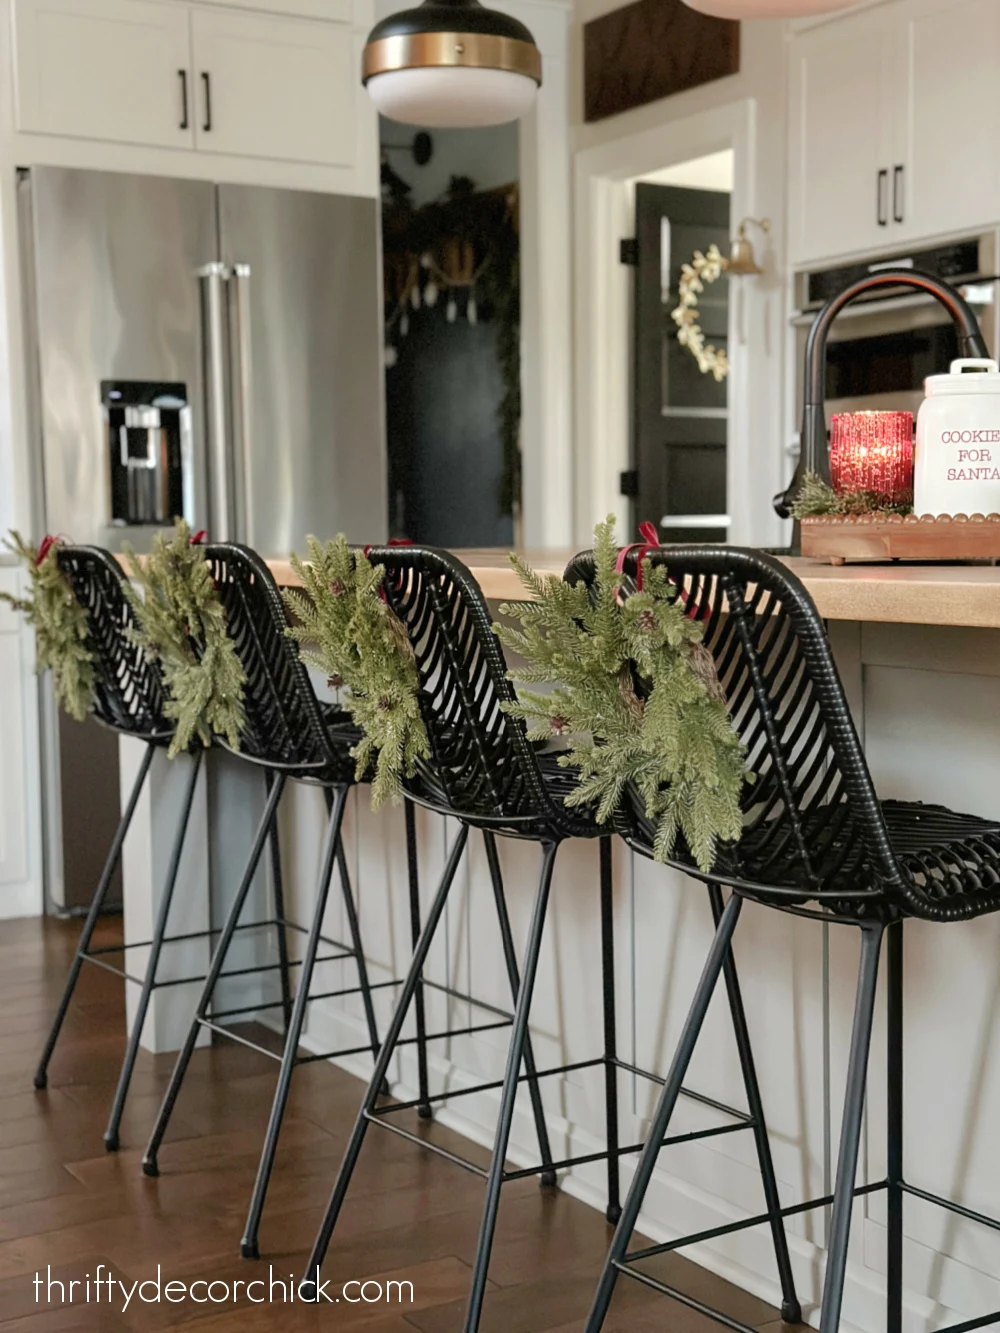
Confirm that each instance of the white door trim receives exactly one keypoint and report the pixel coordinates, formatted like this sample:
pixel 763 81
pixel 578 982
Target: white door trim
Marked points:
pixel 603 202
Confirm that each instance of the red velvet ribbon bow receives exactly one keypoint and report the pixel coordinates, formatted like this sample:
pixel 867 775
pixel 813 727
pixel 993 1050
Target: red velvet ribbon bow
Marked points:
pixel 47 543
pixel 198 538
pixel 650 543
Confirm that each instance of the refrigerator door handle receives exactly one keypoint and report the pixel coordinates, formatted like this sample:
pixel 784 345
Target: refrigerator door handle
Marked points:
pixel 220 507
pixel 241 364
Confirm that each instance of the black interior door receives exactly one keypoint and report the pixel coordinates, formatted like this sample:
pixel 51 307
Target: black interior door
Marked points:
pixel 679 414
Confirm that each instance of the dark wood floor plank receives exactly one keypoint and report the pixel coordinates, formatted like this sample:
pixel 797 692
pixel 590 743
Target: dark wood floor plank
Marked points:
pixel 67 1203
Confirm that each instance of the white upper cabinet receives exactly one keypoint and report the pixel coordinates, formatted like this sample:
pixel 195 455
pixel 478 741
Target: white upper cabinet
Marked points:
pixel 204 78
pixel 950 156
pixel 275 87
pixel 104 69
pixel 839 188
pixel 893 116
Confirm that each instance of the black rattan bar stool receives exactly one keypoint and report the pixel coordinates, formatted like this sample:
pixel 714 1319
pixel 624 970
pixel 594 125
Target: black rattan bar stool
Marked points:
pixel 129 700
pixel 817 843
pixel 484 772
pixel 289 734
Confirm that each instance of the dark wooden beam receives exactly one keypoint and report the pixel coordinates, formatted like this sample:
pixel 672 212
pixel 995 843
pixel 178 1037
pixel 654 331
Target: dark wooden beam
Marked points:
pixel 652 49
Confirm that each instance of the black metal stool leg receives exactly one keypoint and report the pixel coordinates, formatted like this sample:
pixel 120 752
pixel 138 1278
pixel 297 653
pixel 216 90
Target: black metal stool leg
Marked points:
pixel 424 1110
pixel 664 1110
pixel 894 1103
pixel 791 1310
pixel 278 884
pixel 547 1177
pixel 850 1130
pixel 515 1054
pixel 86 934
pixel 614 1209
pixel 307 1288
pixel 359 954
pixel 149 1163
pixel 249 1247
pixel 153 962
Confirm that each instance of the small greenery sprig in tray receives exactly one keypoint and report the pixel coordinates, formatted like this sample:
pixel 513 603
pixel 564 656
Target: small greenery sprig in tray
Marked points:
pixel 636 696
pixel 816 498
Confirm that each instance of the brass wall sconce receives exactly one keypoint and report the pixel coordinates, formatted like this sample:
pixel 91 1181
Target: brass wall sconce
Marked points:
pixel 742 261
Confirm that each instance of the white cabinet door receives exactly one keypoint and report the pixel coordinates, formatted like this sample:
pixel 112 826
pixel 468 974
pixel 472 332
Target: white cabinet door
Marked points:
pixel 950 52
pixel 842 120
pixel 275 87
pixel 104 69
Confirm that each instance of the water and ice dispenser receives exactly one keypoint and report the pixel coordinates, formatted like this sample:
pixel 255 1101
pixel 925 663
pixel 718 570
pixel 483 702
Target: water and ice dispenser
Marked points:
pixel 149 451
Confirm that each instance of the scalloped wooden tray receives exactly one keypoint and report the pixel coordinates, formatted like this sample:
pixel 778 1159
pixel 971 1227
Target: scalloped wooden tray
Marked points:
pixel 892 537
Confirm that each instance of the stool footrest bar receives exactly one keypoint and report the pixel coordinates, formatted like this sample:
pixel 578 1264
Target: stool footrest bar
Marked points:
pixel 960 1209
pixel 967 1324
pixel 685 1092
pixel 690 1301
pixel 376 1119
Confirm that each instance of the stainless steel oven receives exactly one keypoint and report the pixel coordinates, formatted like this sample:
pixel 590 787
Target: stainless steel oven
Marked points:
pixel 882 349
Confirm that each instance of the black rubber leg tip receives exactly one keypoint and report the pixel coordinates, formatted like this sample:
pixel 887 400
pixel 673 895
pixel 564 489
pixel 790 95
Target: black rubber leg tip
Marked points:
pixel 150 1167
pixel 249 1249
pixel 41 1081
pixel 111 1142
pixel 791 1312
pixel 425 1112
pixel 547 1179
pixel 613 1213
pixel 307 1292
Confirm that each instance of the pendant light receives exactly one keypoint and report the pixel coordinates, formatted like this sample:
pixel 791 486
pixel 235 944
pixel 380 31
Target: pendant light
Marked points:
pixel 451 63
pixel 767 9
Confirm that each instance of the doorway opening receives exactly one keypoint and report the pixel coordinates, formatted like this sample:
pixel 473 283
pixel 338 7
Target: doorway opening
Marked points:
pixel 450 203
pixel 679 400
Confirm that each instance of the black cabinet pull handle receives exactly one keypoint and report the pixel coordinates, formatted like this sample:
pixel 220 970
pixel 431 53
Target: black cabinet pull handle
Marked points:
pixel 897 193
pixel 883 182
pixel 182 74
pixel 207 81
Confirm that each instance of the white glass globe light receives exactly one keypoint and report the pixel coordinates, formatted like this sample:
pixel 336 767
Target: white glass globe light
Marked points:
pixel 767 9
pixel 439 98
pixel 451 63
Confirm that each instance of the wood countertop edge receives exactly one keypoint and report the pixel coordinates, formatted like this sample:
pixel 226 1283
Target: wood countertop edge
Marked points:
pixel 957 595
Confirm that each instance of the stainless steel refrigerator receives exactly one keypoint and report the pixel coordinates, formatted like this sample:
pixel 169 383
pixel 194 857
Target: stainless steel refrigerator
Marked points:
pixel 197 349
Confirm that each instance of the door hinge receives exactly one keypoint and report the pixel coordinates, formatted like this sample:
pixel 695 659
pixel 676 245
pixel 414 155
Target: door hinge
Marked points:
pixel 628 483
pixel 628 250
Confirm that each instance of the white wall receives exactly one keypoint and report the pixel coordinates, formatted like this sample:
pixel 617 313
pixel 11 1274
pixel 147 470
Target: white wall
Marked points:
pixel 757 458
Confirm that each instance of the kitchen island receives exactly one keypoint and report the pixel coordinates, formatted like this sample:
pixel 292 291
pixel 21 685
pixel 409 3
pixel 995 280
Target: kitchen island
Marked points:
pixel 919 652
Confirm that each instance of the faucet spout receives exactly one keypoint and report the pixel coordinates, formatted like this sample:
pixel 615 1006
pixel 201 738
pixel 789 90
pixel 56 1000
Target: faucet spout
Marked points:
pixel 814 455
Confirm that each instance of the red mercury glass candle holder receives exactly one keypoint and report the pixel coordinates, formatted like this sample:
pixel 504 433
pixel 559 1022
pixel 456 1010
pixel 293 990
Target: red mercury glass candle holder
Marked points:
pixel 873 451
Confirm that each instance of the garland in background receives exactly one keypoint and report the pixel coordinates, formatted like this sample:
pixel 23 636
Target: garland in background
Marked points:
pixel 181 626
pixel 816 498
pixel 350 633
pixel 62 641
pixel 637 695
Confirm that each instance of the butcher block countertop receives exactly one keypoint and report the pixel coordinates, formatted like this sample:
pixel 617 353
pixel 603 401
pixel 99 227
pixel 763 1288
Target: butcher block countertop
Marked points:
pixel 902 593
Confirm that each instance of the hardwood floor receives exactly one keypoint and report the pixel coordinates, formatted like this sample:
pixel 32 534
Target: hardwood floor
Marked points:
pixel 67 1206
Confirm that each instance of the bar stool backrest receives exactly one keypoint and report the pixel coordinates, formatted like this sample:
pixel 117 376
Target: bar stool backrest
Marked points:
pixel 812 820
pixel 129 692
pixel 284 726
pixel 482 759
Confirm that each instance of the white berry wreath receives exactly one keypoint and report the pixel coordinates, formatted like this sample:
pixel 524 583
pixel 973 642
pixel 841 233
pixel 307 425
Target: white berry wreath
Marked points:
pixel 703 268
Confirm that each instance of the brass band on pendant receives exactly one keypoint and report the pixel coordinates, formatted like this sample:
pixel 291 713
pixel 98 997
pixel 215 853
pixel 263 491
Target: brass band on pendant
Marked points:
pixel 443 50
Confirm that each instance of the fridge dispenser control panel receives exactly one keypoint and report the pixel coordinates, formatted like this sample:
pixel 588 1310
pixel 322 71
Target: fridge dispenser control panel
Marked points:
pixel 147 428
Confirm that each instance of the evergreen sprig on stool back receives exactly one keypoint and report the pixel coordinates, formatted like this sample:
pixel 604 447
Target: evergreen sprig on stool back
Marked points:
pixel 817 842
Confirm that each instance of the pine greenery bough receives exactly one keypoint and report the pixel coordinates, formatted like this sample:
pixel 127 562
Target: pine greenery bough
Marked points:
pixel 346 630
pixel 61 635
pixel 635 694
pixel 181 626
pixel 817 498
